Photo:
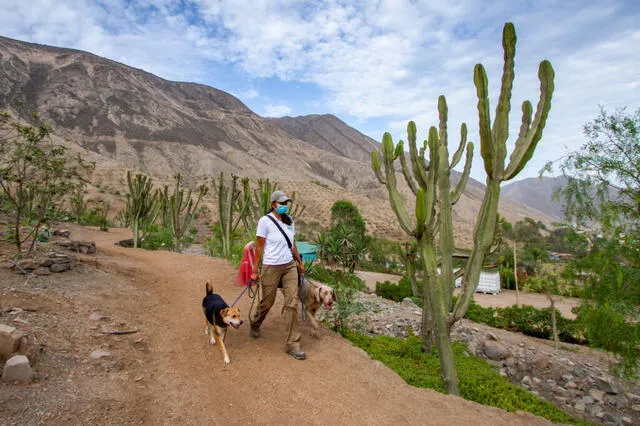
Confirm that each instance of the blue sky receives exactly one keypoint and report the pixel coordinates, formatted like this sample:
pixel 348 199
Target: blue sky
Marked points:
pixel 374 64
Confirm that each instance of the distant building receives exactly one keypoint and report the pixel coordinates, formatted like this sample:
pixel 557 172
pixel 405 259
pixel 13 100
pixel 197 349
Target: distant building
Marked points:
pixel 560 256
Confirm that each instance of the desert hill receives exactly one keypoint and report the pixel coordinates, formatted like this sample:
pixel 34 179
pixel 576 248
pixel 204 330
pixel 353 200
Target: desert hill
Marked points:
pixel 537 194
pixel 124 118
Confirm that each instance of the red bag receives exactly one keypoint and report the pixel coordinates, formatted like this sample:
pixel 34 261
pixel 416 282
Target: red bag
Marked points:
pixel 246 266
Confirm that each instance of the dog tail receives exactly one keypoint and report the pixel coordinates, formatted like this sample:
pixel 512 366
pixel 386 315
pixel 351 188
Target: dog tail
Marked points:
pixel 209 287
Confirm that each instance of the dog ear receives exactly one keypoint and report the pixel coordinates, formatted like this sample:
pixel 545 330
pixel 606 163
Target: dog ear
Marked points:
pixel 333 295
pixel 316 294
pixel 223 312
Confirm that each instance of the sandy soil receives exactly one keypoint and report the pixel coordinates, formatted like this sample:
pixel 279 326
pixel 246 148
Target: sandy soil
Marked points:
pixel 501 300
pixel 168 373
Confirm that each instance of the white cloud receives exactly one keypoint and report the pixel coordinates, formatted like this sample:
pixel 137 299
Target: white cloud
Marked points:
pixel 271 110
pixel 383 61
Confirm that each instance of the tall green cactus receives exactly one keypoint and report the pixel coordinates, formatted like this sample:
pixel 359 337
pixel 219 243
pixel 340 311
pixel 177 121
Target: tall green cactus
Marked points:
pixel 181 209
pixel 141 203
pixel 429 180
pixel 232 208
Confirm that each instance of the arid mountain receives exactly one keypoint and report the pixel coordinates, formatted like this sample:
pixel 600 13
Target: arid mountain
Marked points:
pixel 537 194
pixel 330 134
pixel 125 118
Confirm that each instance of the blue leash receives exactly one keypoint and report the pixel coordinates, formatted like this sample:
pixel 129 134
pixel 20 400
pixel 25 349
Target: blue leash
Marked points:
pixel 243 292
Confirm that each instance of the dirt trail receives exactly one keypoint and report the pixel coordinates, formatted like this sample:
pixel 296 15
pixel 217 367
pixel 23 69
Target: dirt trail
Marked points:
pixel 186 382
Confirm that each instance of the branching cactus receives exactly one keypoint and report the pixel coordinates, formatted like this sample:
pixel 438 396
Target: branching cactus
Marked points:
pixel 141 202
pixel 429 180
pixel 182 208
pixel 232 208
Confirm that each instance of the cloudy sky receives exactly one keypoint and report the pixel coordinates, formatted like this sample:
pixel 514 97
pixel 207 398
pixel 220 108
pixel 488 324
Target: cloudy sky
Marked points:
pixel 374 64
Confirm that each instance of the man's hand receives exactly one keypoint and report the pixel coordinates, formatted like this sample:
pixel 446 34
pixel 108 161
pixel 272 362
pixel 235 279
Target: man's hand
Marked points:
pixel 255 276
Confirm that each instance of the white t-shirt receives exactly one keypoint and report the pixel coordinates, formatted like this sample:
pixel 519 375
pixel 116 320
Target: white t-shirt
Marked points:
pixel 276 249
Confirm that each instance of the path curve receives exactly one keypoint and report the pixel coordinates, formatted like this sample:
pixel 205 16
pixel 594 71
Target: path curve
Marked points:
pixel 189 384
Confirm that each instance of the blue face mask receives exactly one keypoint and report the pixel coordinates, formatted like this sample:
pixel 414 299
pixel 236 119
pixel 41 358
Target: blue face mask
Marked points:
pixel 282 209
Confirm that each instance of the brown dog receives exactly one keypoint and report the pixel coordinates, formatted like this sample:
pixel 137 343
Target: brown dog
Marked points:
pixel 219 315
pixel 313 297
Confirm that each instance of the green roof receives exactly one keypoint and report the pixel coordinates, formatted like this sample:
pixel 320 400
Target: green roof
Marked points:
pixel 306 248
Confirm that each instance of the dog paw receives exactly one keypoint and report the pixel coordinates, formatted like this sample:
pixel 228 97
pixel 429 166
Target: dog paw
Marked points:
pixel 227 361
pixel 206 330
pixel 213 341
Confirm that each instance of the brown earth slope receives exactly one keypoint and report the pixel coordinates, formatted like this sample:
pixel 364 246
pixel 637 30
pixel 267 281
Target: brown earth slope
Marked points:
pixel 168 373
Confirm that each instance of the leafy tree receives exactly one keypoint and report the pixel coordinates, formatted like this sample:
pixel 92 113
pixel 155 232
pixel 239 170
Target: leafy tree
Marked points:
pixel 36 175
pixel 603 193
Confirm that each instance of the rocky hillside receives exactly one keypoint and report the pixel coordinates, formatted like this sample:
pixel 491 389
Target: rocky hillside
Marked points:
pixel 125 118
pixel 537 194
pixel 329 133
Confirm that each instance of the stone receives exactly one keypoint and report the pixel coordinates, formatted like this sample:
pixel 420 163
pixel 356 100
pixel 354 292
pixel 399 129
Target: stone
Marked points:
pixel 542 363
pixel 606 385
pixel 9 341
pixel 526 381
pixel 43 270
pixel 407 302
pixel 29 264
pixel 570 385
pixel 633 397
pixel 567 377
pixel 627 420
pixel 96 316
pixel 62 233
pixel 579 371
pixel 594 409
pixel 610 419
pixel 59 267
pixel 587 399
pixel 596 394
pixel 495 351
pixel 536 381
pixel 99 354
pixel 491 336
pixel 635 407
pixel 579 407
pixel 17 369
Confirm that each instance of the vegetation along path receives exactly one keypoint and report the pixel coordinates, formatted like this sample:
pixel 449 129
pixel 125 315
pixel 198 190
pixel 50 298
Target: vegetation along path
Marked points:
pixel 181 378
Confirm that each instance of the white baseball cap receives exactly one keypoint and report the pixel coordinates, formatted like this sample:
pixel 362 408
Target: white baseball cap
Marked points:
pixel 279 196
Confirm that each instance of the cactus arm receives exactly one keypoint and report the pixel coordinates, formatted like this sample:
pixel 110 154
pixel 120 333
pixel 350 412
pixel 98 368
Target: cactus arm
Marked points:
pixel 376 166
pixel 483 237
pixel 463 141
pixel 431 195
pixel 462 183
pixel 484 118
pixel 397 204
pixel 525 146
pixel 444 200
pixel 417 157
pixel 500 129
pixel 405 168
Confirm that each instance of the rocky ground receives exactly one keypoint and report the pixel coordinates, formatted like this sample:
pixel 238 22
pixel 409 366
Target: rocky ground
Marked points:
pixel 575 378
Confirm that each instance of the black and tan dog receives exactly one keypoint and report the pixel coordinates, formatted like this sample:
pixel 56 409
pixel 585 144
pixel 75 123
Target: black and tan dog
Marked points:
pixel 219 315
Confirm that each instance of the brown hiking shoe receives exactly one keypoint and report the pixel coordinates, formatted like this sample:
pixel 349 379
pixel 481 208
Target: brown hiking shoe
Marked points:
pixel 254 331
pixel 297 354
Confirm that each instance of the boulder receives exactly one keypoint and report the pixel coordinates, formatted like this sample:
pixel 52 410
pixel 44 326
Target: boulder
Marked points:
pixel 99 354
pixel 42 270
pixel 526 381
pixel 495 351
pixel 9 341
pixel 17 369
pixel 64 233
pixel 580 407
pixel 596 394
pixel 408 302
pixel 607 385
pixel 59 267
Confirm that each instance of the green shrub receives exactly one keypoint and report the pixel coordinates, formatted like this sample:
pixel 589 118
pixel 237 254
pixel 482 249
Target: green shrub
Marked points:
pixel 317 182
pixel 393 291
pixel 157 237
pixel 479 381
pixel 528 320
pixel 336 277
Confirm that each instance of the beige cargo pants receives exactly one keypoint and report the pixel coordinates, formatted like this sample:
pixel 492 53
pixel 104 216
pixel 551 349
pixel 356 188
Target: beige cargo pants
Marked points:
pixel 270 277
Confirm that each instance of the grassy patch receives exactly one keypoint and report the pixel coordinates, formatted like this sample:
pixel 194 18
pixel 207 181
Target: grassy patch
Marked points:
pixel 479 381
